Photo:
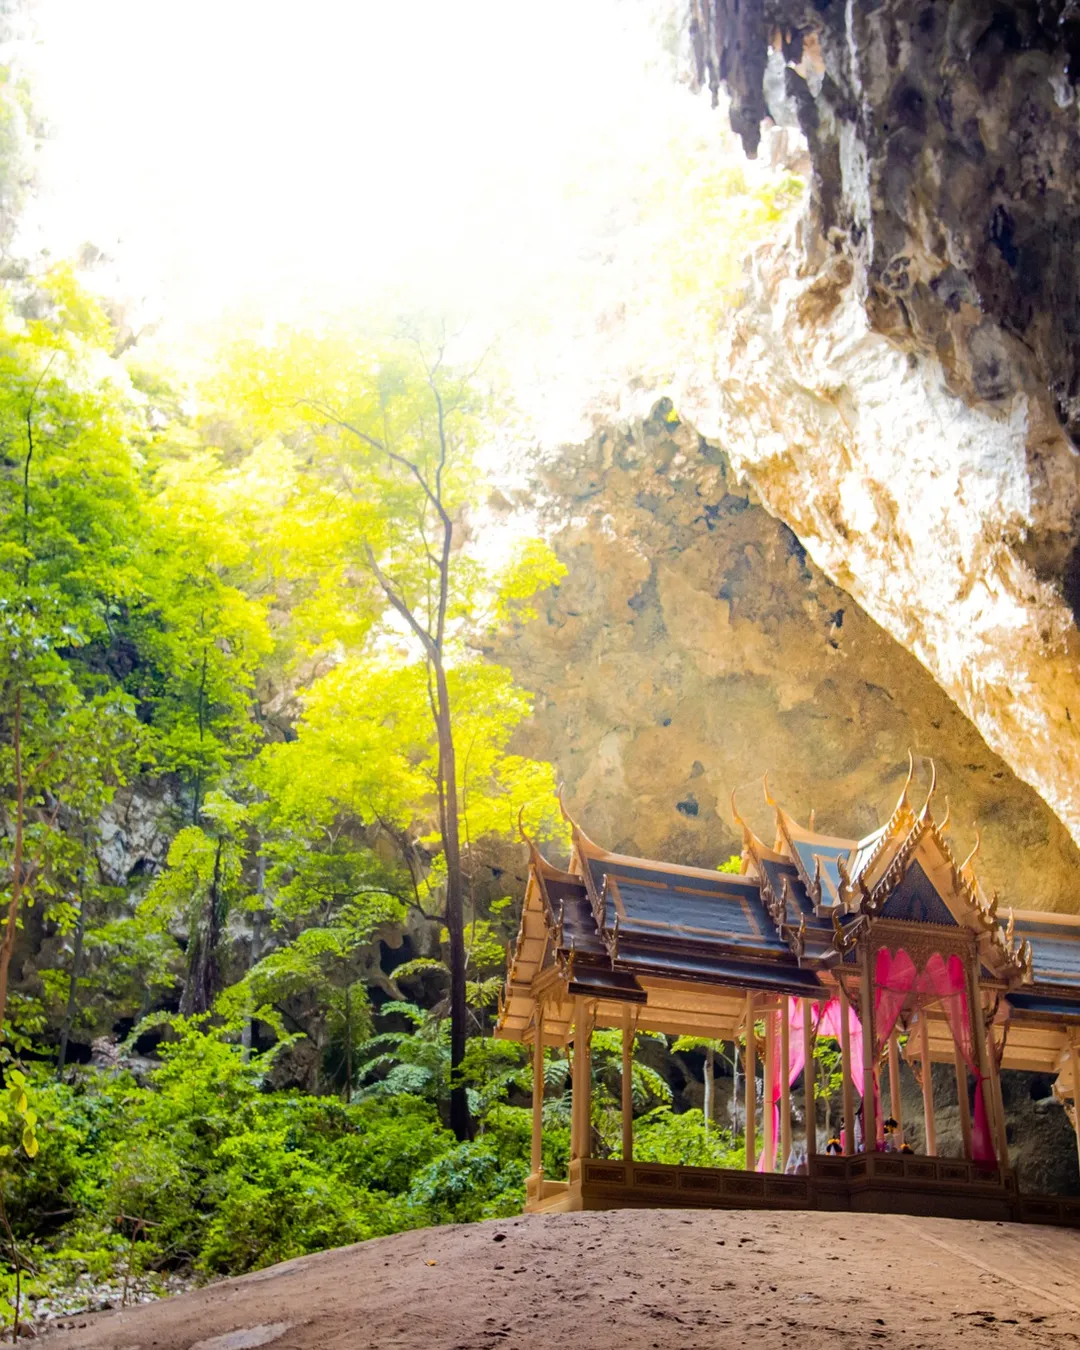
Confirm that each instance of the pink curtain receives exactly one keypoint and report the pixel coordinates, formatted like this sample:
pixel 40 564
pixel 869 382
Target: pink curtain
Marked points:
pixel 825 1021
pixel 946 981
pixel 795 1063
pixel 894 979
pixel 830 1025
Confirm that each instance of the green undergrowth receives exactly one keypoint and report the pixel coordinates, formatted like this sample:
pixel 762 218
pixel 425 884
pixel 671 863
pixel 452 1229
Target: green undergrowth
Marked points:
pixel 198 1169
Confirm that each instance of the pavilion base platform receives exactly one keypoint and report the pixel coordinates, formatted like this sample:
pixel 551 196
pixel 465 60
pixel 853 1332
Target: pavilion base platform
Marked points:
pixel 870 1184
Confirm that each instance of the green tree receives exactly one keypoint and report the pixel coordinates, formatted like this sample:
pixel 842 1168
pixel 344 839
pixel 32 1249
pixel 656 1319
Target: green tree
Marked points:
pixel 68 526
pixel 202 883
pixel 390 436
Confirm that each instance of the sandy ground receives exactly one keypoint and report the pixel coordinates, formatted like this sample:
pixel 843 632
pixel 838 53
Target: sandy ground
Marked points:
pixel 638 1278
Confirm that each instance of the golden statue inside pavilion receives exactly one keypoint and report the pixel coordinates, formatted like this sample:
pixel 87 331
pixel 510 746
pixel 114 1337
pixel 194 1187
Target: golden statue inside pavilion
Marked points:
pixel 887 944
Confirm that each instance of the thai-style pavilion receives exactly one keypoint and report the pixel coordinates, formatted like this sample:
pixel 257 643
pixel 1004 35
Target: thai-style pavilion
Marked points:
pixel 886 943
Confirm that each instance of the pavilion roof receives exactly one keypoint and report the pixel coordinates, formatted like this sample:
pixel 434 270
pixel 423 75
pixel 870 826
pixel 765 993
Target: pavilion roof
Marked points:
pixel 611 925
pixel 690 922
pixel 1055 948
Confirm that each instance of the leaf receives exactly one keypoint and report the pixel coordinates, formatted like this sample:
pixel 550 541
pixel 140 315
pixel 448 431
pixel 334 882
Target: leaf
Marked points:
pixel 29 1142
pixel 408 969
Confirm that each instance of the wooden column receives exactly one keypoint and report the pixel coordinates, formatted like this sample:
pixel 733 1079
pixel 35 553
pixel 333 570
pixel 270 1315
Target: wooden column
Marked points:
pixel 999 1102
pixel 982 1056
pixel 785 1081
pixel 538 1092
pixel 927 1084
pixel 586 1105
pixel 768 1115
pixel 750 1069
pixel 1074 1054
pixel 845 1064
pixel 627 1086
pixel 809 1105
pixel 575 1083
pixel 895 1107
pixel 866 998
pixel 580 1084
pixel 962 1098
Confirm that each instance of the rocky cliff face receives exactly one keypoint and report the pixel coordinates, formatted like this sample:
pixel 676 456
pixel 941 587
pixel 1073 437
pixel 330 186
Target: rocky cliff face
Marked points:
pixel 902 386
pixel 694 645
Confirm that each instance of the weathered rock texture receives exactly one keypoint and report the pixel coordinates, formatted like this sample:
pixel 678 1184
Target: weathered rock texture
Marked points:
pixel 636 1280
pixel 903 383
pixel 693 645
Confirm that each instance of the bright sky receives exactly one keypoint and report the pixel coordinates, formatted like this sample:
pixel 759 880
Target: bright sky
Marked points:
pixel 478 157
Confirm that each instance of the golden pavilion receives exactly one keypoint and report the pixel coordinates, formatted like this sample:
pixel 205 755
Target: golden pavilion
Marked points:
pixel 886 943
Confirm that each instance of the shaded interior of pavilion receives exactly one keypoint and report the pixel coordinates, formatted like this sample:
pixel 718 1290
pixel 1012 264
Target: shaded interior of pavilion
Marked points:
pixel 886 946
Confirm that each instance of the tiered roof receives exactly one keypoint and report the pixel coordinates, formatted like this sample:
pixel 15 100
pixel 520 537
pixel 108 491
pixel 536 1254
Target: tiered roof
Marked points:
pixel 616 928
pixel 904 871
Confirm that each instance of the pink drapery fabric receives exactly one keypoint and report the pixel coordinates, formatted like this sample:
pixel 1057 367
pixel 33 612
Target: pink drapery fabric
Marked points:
pixel 895 977
pixel 825 1019
pixel 795 1063
pixel 830 1024
pixel 946 981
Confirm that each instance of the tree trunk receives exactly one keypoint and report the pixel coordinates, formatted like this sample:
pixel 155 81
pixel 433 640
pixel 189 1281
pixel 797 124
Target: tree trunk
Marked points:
pixel 460 1122
pixel 735 1098
pixel 708 1089
pixel 248 1032
pixel 203 978
pixel 76 975
pixel 348 1041
pixel 8 945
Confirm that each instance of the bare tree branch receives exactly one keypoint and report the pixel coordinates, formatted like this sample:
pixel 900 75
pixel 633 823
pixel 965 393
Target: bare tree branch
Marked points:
pixel 396 600
pixel 26 465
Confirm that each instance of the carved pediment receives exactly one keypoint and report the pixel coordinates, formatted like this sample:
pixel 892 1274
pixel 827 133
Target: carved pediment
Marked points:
pixel 915 900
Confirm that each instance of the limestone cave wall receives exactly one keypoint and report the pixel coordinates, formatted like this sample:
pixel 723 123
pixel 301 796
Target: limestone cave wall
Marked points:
pixel 901 386
pixel 694 645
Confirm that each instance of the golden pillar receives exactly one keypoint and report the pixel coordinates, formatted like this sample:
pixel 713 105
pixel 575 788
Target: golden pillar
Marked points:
pixel 751 1085
pixel 627 1087
pixel 845 1065
pixel 538 1092
pixel 927 1084
pixel 809 1105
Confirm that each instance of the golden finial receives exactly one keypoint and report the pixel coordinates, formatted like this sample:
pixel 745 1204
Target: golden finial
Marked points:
pixel 933 786
pixel 945 822
pixel 910 776
pixel 842 941
pixel 536 858
pixel 765 783
pixel 971 856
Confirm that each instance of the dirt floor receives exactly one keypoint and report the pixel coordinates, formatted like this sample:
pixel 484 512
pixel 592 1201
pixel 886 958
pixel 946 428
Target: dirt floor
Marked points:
pixel 638 1278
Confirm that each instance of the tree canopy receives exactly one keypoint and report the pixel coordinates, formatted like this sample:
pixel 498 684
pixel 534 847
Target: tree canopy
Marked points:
pixel 261 788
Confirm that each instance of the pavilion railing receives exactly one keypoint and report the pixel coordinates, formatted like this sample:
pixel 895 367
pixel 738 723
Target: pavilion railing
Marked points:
pixel 873 1182
pixel 913 1168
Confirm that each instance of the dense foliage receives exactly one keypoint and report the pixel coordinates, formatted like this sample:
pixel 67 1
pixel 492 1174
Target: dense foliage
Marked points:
pixel 260 794
pixel 218 619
